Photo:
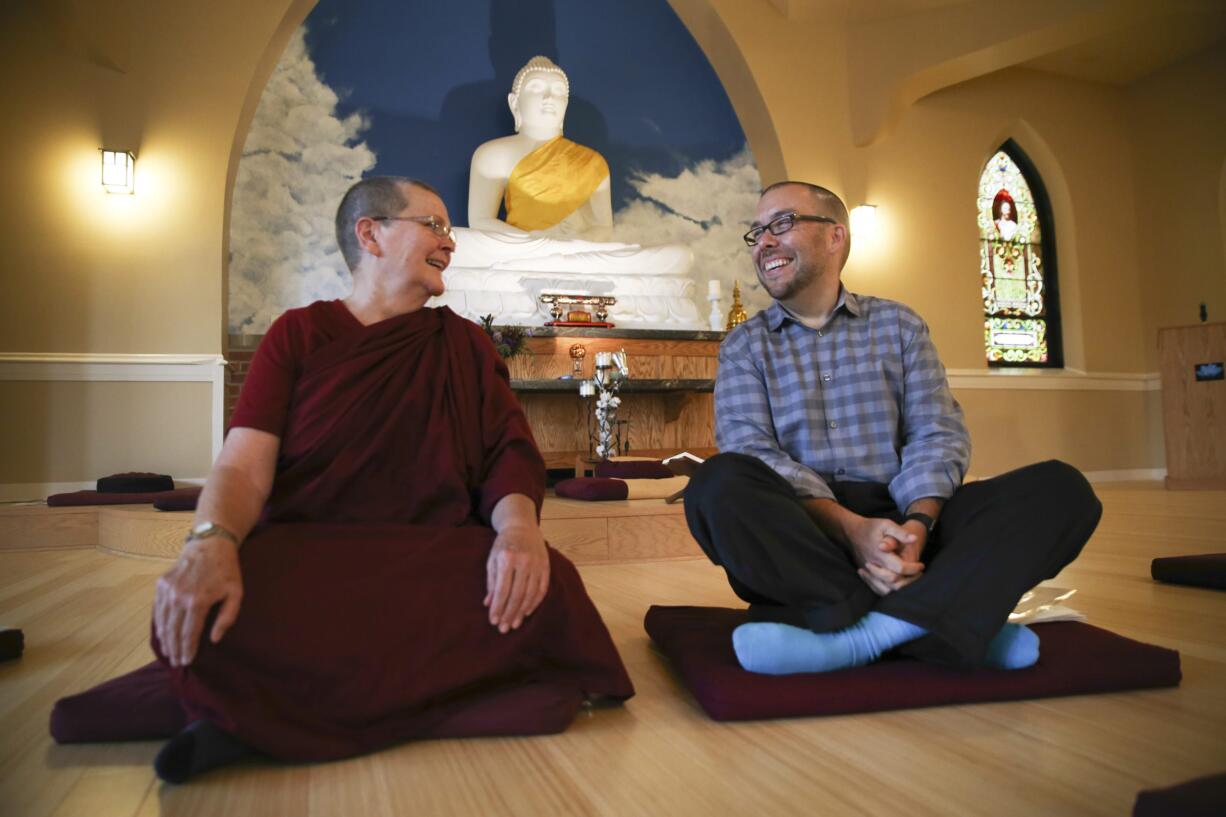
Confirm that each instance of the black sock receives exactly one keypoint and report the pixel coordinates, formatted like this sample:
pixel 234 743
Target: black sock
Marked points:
pixel 195 750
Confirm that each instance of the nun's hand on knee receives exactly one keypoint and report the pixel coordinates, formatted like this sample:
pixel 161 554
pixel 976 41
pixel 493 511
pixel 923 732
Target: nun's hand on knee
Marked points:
pixel 207 573
pixel 517 576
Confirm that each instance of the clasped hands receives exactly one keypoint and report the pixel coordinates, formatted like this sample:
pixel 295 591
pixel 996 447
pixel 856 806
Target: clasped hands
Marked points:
pixel 887 554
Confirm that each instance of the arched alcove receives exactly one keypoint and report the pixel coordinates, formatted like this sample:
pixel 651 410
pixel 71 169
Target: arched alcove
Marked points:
pixel 699 17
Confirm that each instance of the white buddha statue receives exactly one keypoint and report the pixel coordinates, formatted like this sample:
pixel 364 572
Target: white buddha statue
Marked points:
pixel 559 222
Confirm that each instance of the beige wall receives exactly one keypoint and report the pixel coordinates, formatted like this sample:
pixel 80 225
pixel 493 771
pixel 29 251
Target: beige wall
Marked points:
pixel 77 432
pixel 1077 135
pixel 1177 118
pixel 1094 430
pixel 87 272
pixel 923 175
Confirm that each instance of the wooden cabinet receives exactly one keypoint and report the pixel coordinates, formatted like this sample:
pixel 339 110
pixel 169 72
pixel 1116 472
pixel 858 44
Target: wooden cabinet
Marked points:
pixel 1194 404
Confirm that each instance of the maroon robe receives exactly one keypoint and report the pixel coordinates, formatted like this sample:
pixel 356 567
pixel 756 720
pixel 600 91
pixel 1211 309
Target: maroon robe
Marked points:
pixel 362 621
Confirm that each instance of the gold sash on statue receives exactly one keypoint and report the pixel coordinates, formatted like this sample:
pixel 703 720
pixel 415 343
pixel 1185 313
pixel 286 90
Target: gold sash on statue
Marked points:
pixel 552 182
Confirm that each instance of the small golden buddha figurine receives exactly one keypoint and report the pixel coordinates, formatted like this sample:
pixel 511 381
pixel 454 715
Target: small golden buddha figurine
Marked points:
pixel 736 315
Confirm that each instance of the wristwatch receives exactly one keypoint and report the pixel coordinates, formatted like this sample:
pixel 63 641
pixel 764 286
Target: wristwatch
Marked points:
pixel 207 529
pixel 923 518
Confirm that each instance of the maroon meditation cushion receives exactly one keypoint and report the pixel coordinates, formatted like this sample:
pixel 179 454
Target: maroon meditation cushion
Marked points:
pixel 12 643
pixel 633 469
pixel 1202 797
pixel 136 706
pixel 180 499
pixel 141 706
pixel 96 498
pixel 1205 570
pixel 592 489
pixel 1074 658
pixel 135 482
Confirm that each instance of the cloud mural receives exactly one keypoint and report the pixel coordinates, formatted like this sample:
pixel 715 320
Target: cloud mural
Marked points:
pixel 299 159
pixel 709 207
pixel 681 169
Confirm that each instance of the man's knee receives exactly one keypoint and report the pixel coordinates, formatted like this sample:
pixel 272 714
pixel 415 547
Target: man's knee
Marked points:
pixel 721 477
pixel 1069 487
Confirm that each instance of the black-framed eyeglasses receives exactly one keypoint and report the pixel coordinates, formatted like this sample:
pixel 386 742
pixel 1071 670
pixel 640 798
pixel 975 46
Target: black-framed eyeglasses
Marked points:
pixel 439 228
pixel 781 224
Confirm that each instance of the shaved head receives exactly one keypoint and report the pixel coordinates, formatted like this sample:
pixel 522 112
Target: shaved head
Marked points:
pixel 372 196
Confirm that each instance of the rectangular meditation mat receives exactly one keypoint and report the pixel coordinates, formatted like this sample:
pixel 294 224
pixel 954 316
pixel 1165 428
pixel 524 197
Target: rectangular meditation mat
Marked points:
pixel 1074 659
pixel 177 499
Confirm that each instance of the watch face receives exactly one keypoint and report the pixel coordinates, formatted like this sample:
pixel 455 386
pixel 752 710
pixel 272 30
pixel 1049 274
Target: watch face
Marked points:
pixel 202 528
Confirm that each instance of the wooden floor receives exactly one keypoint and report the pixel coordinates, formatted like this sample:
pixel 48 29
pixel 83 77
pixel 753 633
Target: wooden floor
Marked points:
pixel 85 615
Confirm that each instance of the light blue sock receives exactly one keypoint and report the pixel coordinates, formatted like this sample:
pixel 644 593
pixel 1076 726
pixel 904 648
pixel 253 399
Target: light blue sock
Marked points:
pixel 781 649
pixel 1016 646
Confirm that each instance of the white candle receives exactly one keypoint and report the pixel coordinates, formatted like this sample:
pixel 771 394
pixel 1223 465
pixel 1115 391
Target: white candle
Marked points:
pixel 586 388
pixel 713 289
pixel 604 358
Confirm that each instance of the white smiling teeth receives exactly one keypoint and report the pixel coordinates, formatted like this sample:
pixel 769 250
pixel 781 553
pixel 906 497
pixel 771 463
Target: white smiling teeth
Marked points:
pixel 774 263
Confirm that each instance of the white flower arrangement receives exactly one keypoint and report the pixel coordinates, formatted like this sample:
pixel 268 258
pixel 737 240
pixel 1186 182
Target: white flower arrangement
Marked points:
pixel 611 370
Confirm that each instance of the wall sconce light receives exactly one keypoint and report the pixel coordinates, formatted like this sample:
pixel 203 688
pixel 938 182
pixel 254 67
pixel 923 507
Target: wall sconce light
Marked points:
pixel 864 221
pixel 118 171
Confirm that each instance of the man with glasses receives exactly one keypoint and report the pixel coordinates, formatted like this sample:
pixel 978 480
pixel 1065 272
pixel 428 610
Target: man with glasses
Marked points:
pixel 837 507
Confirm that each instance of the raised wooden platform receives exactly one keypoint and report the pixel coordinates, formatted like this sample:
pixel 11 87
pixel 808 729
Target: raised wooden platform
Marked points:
pixel 586 532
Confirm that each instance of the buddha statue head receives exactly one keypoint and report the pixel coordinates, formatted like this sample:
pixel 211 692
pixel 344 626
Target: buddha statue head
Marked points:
pixel 539 95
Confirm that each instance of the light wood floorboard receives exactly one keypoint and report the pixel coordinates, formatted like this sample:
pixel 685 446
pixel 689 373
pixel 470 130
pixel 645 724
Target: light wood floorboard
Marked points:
pixel 85 615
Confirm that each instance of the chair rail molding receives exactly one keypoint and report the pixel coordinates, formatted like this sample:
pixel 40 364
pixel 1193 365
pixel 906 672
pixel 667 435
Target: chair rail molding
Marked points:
pixel 1052 380
pixel 68 367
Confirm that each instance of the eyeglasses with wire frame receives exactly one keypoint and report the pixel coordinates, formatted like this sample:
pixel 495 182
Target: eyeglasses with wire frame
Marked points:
pixel 780 225
pixel 436 226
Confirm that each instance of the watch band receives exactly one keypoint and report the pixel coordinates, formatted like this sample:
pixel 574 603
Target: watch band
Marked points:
pixel 208 529
pixel 923 518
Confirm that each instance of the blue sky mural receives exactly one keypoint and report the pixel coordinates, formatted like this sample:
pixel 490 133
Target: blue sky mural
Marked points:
pixel 412 88
pixel 433 78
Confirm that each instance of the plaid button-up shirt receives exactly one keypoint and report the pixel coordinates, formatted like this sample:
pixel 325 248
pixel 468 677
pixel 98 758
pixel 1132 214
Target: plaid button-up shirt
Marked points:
pixel 862 399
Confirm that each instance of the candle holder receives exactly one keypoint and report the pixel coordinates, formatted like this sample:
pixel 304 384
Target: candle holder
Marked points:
pixel 716 318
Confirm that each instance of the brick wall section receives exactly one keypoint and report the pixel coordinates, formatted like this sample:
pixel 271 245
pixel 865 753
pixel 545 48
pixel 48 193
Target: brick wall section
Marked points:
pixel 240 349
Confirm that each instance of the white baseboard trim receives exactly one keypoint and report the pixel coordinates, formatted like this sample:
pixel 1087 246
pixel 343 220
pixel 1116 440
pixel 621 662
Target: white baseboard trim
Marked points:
pixel 1127 475
pixel 1052 380
pixel 126 368
pixel 39 491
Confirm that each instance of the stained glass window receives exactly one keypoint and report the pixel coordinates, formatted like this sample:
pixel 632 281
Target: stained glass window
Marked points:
pixel 1021 322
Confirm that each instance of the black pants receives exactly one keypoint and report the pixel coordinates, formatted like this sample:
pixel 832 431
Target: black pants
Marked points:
pixel 995 539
